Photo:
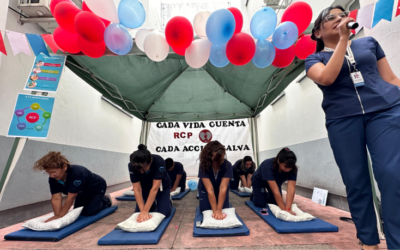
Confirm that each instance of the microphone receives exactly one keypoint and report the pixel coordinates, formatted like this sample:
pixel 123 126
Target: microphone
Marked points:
pixel 352 25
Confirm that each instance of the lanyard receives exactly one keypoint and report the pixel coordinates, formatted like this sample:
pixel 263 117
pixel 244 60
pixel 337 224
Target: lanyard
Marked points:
pixel 350 57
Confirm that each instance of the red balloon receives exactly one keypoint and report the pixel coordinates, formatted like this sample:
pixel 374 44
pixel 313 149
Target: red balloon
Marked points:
pixel 66 41
pixel 65 13
pixel 300 13
pixel 284 58
pixel 53 4
pixel 179 33
pixel 90 27
pixel 240 49
pixel 94 50
pixel 179 51
pixel 238 19
pixel 86 8
pixel 305 47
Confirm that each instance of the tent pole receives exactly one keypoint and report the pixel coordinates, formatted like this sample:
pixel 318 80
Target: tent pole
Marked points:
pixel 15 153
pixel 256 140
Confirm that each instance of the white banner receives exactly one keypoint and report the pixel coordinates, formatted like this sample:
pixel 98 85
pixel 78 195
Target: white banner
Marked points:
pixel 183 141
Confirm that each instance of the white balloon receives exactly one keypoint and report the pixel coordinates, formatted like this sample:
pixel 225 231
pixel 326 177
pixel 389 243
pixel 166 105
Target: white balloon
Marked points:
pixel 198 53
pixel 141 36
pixel 104 8
pixel 156 46
pixel 199 23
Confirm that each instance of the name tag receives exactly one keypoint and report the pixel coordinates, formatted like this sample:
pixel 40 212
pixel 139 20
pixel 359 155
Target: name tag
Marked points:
pixel 357 78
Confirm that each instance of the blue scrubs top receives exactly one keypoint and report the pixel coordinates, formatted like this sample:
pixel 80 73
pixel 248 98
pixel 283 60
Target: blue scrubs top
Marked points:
pixel 157 171
pixel 238 168
pixel 225 171
pixel 79 180
pixel 178 170
pixel 341 99
pixel 265 172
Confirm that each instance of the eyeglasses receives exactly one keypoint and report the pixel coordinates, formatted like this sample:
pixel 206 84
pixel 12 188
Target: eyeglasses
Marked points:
pixel 332 17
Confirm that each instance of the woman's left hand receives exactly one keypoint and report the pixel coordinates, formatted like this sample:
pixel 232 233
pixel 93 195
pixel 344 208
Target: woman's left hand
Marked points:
pixel 53 218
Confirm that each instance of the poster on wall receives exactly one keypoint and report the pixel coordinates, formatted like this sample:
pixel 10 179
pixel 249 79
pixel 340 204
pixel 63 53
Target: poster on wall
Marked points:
pixel 45 74
pixel 31 117
pixel 183 141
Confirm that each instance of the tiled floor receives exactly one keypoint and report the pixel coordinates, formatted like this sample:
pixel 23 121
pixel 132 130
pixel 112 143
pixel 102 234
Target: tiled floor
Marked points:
pixel 179 234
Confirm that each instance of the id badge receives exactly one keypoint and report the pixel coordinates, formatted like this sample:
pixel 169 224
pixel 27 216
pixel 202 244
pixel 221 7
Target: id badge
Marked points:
pixel 357 78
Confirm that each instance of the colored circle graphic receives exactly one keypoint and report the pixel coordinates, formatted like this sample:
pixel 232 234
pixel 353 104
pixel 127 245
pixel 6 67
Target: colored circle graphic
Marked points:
pixel 205 136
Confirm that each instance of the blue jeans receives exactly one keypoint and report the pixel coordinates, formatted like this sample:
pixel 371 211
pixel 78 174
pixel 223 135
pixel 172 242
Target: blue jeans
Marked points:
pixel 349 138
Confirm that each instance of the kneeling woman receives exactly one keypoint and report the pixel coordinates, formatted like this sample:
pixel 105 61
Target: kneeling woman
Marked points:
pixel 82 187
pixel 177 174
pixel 215 173
pixel 243 170
pixel 268 179
pixel 151 183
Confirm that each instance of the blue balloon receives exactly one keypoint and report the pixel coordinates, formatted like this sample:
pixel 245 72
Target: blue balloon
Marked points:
pixel 118 39
pixel 192 185
pixel 263 23
pixel 218 56
pixel 131 13
pixel 265 54
pixel 220 26
pixel 285 35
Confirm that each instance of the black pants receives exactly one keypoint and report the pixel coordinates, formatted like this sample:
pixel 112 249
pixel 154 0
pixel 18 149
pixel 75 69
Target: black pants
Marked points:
pixel 260 197
pixel 182 182
pixel 162 204
pixel 91 204
pixel 205 202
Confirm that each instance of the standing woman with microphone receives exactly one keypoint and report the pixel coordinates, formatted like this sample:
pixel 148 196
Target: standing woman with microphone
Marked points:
pixel 361 100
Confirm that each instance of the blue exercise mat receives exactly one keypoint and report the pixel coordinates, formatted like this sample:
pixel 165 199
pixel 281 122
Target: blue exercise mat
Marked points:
pixel 205 232
pixel 181 195
pixel 280 226
pixel 241 194
pixel 125 198
pixel 81 222
pixel 120 237
pixel 132 198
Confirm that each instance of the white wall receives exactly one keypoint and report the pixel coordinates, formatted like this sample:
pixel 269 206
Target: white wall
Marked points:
pixel 80 117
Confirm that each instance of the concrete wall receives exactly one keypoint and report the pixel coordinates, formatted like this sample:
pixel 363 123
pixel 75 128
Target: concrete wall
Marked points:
pixel 88 130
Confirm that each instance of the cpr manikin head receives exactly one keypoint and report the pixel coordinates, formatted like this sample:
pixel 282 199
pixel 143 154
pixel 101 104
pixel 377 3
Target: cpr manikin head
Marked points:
pixel 285 161
pixel 169 164
pixel 54 164
pixel 141 159
pixel 325 26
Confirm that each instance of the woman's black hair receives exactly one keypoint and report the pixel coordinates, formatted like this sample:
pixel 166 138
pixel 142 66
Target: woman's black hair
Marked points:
pixel 169 163
pixel 287 157
pixel 141 158
pixel 319 22
pixel 243 165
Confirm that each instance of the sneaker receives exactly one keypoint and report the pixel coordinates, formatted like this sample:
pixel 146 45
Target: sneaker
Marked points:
pixel 107 197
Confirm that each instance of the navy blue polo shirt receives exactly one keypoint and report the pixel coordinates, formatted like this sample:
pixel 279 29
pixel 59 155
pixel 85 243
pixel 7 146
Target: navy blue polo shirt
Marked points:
pixel 225 171
pixel 178 170
pixel 79 180
pixel 157 171
pixel 265 172
pixel 340 98
pixel 238 168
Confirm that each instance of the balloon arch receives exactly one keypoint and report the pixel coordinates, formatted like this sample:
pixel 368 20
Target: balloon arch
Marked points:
pixel 100 24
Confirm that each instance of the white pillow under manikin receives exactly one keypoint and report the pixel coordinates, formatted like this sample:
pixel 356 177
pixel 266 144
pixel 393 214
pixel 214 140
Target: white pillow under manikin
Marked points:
pixel 286 216
pixel 176 192
pixel 129 193
pixel 230 221
pixel 131 225
pixel 38 224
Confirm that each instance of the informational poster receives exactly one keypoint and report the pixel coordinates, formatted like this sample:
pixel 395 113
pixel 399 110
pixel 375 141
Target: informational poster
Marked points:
pixel 31 117
pixel 45 74
pixel 320 196
pixel 183 141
